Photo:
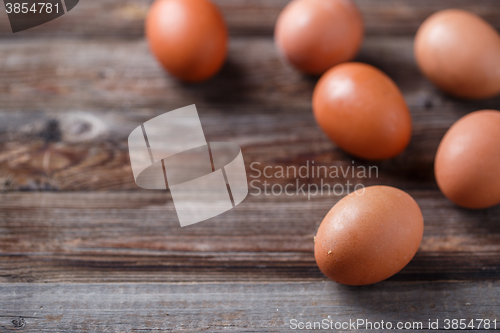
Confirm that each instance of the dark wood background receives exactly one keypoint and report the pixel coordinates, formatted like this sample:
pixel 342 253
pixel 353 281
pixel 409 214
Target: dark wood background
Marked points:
pixel 82 248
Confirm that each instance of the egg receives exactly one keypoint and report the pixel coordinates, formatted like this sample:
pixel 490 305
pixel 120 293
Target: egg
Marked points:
pixel 188 37
pixel 467 164
pixel 460 53
pixel 368 236
pixel 363 111
pixel 314 35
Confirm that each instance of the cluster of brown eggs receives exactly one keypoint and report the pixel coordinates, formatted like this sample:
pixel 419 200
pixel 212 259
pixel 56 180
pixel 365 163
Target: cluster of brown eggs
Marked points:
pixel 364 238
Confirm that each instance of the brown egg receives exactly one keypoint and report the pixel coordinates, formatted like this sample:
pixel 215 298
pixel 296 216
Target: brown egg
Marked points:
pixel 363 111
pixel 367 237
pixel 188 37
pixel 315 35
pixel 460 53
pixel 467 165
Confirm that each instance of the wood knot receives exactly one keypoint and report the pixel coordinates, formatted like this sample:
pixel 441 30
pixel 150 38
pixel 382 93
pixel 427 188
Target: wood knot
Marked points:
pixel 81 126
pixel 52 132
pixel 428 104
pixel 19 322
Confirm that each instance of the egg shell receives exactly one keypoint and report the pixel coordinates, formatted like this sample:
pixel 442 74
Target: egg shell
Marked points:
pixel 460 53
pixel 363 111
pixel 366 238
pixel 188 37
pixel 467 164
pixel 314 35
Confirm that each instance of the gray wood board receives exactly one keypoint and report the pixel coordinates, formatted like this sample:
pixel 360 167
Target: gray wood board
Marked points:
pixel 90 95
pixel 135 236
pixel 240 307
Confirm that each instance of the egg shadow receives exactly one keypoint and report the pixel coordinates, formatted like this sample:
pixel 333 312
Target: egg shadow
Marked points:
pixel 421 288
pixel 413 168
pixel 227 87
pixel 393 302
pixel 471 105
pixel 455 258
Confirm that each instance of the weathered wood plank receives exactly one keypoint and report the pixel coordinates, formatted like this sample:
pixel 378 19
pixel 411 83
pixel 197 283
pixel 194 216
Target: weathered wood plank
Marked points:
pixel 88 151
pixel 67 74
pixel 135 236
pixel 220 307
pixel 115 18
pixel 90 94
pixel 188 267
pixel 118 261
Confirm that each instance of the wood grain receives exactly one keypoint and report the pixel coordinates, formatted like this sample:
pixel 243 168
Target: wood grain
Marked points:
pixel 125 19
pixel 91 94
pixel 82 248
pixel 64 75
pixel 215 307
pixel 91 237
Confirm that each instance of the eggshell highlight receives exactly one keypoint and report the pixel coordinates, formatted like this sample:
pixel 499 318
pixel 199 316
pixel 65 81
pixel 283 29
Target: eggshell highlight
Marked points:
pixel 460 53
pixel 363 111
pixel 314 35
pixel 467 165
pixel 188 37
pixel 366 238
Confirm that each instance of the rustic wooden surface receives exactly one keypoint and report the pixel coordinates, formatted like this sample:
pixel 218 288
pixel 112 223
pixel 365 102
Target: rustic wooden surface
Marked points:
pixel 82 248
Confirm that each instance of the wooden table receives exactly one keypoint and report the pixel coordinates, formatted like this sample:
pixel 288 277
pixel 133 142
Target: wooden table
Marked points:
pixel 82 248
